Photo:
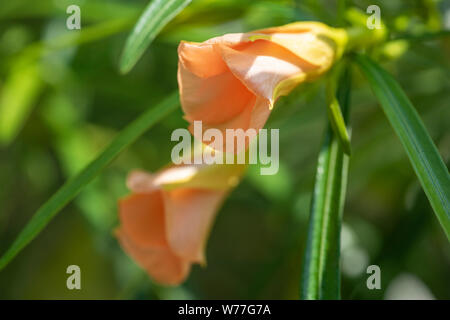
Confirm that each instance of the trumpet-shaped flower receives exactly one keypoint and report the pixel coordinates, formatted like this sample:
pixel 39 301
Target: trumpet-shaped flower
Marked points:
pixel 166 220
pixel 233 81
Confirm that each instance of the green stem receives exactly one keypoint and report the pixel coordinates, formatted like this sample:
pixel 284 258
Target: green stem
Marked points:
pixel 321 272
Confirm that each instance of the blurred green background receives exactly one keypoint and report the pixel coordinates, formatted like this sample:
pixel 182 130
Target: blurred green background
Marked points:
pixel 62 100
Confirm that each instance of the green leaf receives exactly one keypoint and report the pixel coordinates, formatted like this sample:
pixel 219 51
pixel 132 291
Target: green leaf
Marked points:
pixel 72 187
pixel 338 125
pixel 321 272
pixel 423 154
pixel 24 83
pixel 157 14
pixel 71 38
pixel 17 98
pixel 335 116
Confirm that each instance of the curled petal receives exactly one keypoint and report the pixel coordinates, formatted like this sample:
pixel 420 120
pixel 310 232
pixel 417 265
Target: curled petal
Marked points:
pixel 161 263
pixel 147 187
pixel 240 121
pixel 189 216
pixel 260 114
pixel 141 181
pixel 215 99
pixel 262 65
pixel 253 117
pixel 201 59
pixel 143 220
pixel 313 41
pixel 311 48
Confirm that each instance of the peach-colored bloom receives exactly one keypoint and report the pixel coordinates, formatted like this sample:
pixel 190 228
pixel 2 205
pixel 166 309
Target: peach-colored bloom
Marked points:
pixel 166 220
pixel 233 81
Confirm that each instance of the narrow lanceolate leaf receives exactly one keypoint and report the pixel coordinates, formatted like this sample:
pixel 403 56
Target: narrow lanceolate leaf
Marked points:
pixel 321 275
pixel 422 153
pixel 72 187
pixel 157 14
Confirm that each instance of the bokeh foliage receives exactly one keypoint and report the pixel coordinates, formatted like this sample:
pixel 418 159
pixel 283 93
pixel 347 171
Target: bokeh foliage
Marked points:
pixel 62 100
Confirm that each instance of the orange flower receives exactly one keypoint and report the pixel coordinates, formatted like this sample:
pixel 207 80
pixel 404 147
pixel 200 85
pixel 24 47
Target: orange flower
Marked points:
pixel 166 220
pixel 233 81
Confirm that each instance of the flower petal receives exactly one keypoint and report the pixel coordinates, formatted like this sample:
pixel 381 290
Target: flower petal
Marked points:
pixel 218 177
pixel 260 114
pixel 214 99
pixel 189 216
pixel 233 81
pixel 142 218
pixel 315 42
pixel 252 117
pixel 262 65
pixel 307 46
pixel 141 181
pixel 161 264
pixel 201 59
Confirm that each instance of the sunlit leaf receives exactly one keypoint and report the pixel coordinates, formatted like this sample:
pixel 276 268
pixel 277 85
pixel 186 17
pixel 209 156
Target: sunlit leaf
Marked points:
pixel 157 14
pixel 17 97
pixel 422 152
pixel 321 272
